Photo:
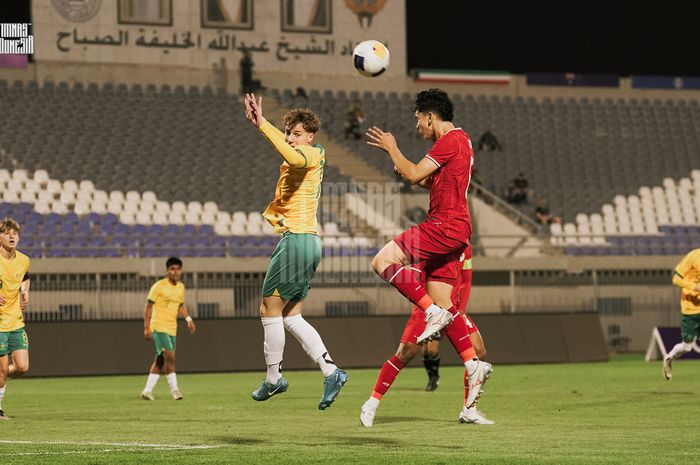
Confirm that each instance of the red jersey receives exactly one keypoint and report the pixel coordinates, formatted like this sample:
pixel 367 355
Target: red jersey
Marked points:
pixel 454 156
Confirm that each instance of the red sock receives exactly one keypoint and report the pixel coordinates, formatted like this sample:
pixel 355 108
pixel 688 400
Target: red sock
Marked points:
pixel 458 335
pixel 466 289
pixel 387 376
pixel 466 387
pixel 407 281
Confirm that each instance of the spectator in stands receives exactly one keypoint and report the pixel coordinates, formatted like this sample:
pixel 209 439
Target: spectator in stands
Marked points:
pixel 488 142
pixel 301 93
pixel 246 64
pixel 543 215
pixel 354 119
pixel 523 185
pixel 514 195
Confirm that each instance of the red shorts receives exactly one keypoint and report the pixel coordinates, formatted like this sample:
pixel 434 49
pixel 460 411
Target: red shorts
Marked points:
pixel 416 325
pixel 441 254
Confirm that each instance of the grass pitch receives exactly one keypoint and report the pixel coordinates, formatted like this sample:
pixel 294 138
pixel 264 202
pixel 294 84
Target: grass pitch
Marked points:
pixel 621 412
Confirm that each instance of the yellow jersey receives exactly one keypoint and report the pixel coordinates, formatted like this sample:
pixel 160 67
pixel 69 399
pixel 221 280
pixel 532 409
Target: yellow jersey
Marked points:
pixel 12 274
pixel 299 185
pixel 687 277
pixel 166 299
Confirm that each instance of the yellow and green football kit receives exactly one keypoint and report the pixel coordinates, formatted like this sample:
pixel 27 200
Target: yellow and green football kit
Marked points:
pixel 12 273
pixel 687 277
pixel 166 299
pixel 293 214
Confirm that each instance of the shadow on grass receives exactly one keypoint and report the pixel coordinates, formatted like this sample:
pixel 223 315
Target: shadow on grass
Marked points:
pixel 359 441
pixel 390 419
pixel 237 440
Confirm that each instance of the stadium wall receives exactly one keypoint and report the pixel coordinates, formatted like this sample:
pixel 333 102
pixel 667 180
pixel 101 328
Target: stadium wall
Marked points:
pixel 117 347
pixel 630 294
pixel 295 37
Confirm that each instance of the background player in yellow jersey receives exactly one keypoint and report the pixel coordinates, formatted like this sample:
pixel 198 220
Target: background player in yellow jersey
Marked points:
pixel 166 300
pixel 296 257
pixel 14 296
pixel 687 277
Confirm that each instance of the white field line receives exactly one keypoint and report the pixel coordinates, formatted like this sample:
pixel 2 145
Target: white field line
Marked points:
pixel 124 447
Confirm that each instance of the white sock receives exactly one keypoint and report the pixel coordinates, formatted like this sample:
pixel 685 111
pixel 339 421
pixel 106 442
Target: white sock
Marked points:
pixel 273 347
pixel 311 341
pixel 680 349
pixel 172 381
pixel 2 394
pixel 151 382
pixel 373 402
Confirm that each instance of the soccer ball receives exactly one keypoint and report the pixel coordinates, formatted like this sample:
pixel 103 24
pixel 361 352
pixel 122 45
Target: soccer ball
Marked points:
pixel 370 58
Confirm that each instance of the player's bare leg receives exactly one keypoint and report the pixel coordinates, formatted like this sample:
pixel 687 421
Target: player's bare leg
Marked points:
pixel 4 368
pixel 478 343
pixel 271 310
pixel 310 340
pixel 18 363
pixel 169 369
pixel 392 265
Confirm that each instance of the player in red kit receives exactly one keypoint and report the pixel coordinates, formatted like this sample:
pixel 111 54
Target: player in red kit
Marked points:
pixel 460 298
pixel 409 348
pixel 437 243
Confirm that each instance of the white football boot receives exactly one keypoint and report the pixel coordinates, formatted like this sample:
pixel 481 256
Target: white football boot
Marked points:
pixel 472 415
pixel 477 378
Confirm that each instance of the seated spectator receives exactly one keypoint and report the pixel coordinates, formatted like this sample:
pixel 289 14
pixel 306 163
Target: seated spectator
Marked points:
pixel 514 195
pixel 488 142
pixel 354 119
pixel 543 215
pixel 301 93
pixel 521 183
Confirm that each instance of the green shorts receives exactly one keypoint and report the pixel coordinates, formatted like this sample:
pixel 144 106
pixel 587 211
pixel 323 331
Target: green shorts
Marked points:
pixel 13 340
pixel 292 266
pixel 163 341
pixel 690 327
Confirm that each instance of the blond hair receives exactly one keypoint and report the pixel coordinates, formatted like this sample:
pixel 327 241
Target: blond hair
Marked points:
pixel 8 223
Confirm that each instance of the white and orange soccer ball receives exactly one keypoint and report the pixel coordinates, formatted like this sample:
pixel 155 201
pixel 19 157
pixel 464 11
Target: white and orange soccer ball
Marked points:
pixel 370 58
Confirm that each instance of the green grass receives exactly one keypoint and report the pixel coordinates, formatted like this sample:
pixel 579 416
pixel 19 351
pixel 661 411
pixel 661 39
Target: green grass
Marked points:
pixel 618 412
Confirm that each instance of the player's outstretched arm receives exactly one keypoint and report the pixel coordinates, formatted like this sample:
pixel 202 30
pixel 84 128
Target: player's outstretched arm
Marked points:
pixel 253 110
pixel 411 172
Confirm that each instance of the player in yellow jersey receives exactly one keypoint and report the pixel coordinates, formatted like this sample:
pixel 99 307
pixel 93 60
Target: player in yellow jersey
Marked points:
pixel 14 296
pixel 296 257
pixel 166 300
pixel 687 277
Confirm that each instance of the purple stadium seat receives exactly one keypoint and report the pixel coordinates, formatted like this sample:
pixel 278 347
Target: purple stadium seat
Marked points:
pixel 122 228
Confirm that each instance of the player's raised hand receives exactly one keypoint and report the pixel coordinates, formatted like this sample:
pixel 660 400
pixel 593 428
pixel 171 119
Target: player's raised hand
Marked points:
pixel 380 139
pixel 253 109
pixel 2 300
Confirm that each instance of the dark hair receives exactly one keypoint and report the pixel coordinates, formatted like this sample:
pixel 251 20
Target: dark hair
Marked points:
pixel 173 261
pixel 308 119
pixel 437 101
